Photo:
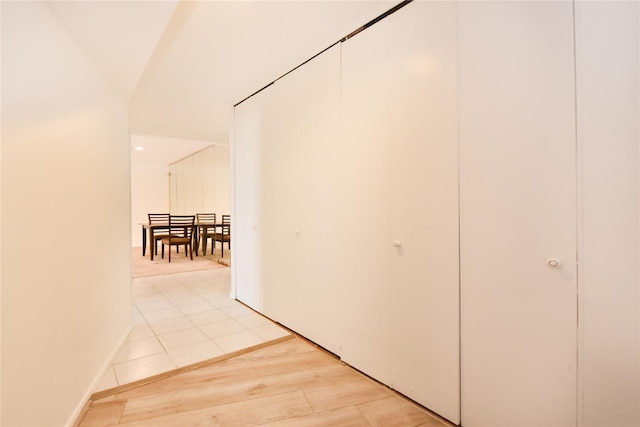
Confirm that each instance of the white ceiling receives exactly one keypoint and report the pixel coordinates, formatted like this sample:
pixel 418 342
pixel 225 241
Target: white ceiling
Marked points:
pixel 184 64
pixel 163 150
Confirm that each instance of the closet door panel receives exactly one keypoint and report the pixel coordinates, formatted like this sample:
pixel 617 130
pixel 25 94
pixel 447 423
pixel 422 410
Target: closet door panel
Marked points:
pixel 282 186
pixel 173 188
pixel 423 165
pixel 518 211
pixel 180 176
pixel 301 185
pixel 210 172
pixel 197 196
pixel 189 193
pixel 219 157
pixel 607 54
pixel 364 158
pixel 246 225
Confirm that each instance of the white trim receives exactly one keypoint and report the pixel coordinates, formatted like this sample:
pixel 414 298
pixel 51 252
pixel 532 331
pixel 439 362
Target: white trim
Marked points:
pixel 73 419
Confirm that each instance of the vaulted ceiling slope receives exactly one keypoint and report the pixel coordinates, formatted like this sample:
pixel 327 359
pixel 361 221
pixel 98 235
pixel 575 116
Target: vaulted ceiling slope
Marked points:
pixel 120 37
pixel 184 64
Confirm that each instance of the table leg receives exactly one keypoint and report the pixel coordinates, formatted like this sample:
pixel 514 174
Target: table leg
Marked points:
pixel 144 241
pixel 196 242
pixel 151 245
pixel 204 240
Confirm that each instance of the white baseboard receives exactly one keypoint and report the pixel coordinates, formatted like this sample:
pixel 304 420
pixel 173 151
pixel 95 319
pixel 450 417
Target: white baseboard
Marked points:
pixel 73 419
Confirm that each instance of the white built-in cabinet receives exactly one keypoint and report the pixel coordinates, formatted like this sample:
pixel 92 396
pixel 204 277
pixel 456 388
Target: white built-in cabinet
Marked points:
pixel 448 201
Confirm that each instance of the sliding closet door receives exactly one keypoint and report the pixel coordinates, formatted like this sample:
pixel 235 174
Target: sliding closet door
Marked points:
pixel 300 186
pixel 608 76
pixel 364 158
pixel 518 214
pixel 423 206
pixel 247 222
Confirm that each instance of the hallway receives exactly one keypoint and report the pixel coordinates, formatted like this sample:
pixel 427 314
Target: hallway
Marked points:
pixel 196 356
pixel 184 318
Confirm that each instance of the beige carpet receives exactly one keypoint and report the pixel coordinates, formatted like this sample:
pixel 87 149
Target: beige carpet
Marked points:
pixel 144 267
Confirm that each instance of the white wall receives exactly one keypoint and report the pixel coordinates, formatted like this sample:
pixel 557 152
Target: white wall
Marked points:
pixel 149 194
pixel 66 269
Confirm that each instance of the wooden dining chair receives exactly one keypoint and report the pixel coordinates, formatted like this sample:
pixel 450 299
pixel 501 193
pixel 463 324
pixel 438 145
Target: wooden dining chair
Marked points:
pixel 180 233
pixel 158 234
pixel 224 236
pixel 208 219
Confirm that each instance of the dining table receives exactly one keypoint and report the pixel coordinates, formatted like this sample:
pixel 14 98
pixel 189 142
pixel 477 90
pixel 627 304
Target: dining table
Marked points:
pixel 150 229
pixel 201 229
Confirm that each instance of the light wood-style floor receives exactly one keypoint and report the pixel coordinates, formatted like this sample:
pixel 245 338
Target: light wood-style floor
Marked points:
pixel 289 383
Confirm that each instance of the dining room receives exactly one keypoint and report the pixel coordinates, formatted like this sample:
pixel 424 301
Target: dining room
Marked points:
pixel 182 310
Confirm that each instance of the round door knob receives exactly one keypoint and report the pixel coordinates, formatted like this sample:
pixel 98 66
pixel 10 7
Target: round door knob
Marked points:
pixel 396 244
pixel 553 263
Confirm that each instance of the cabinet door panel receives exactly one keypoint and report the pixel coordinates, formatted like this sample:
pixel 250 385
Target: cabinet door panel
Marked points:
pixel 518 211
pixel 608 65
pixel 423 172
pixel 365 194
pixel 246 224
pixel 300 187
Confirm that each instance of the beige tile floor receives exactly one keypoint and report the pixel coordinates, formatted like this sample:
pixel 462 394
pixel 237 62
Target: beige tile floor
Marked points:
pixel 184 318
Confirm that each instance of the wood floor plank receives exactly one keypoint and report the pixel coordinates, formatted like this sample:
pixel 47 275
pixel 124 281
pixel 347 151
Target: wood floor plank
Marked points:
pixel 284 348
pixel 394 411
pixel 251 368
pixel 245 413
pixel 185 399
pixel 288 384
pixel 348 416
pixel 103 414
pixel 355 391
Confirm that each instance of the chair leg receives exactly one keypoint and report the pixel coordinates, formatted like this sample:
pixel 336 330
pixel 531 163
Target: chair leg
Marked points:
pixel 169 253
pixel 162 251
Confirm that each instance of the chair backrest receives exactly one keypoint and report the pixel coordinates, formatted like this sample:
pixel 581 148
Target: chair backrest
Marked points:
pixel 181 225
pixel 206 218
pixel 226 225
pixel 162 217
